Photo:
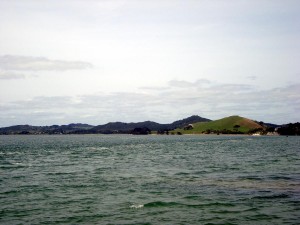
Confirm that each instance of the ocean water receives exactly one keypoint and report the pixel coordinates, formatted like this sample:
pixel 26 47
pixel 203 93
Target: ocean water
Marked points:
pixel 124 179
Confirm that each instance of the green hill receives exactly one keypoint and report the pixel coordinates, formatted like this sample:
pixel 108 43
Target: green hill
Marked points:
pixel 227 125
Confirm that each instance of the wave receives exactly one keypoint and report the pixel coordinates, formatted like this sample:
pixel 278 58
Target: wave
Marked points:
pixel 279 177
pixel 220 204
pixel 97 148
pixel 136 206
pixel 162 204
pixel 173 204
pixel 272 196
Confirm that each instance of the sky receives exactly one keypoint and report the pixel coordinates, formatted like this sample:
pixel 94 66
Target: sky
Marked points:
pixel 99 61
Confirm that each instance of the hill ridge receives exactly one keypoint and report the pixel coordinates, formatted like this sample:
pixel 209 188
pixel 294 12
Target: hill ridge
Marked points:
pixel 228 125
pixel 111 127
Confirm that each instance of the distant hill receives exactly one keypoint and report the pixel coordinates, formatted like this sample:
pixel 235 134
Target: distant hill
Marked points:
pixel 119 127
pixel 228 125
pixel 20 129
pixel 54 129
pixel 109 128
pixel 184 122
pixel 190 125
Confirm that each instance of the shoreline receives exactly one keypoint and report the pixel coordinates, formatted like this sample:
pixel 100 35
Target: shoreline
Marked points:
pixel 123 134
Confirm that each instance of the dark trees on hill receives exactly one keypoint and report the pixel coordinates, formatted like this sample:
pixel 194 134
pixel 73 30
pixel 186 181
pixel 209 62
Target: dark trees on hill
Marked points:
pixel 290 129
pixel 163 131
pixel 141 131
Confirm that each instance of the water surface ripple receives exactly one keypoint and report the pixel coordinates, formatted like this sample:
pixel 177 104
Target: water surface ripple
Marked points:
pixel 124 179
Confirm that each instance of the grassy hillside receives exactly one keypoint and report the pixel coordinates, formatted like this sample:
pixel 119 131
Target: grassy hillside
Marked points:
pixel 232 124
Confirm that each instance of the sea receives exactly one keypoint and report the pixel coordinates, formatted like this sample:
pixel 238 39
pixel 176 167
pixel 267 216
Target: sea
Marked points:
pixel 152 179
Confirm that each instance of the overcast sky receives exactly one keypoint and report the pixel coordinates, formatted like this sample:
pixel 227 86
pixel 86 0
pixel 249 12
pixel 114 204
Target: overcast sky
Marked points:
pixel 99 61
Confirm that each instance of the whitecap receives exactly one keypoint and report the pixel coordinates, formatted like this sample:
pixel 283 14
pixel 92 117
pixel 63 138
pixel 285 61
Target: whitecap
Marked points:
pixel 136 206
pixel 97 148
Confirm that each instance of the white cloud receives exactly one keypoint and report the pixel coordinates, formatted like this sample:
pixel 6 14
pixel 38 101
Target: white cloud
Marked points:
pixel 29 63
pixel 236 47
pixel 7 75
pixel 187 84
pixel 251 77
pixel 277 105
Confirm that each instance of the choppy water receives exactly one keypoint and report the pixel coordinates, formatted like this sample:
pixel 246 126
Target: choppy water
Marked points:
pixel 95 179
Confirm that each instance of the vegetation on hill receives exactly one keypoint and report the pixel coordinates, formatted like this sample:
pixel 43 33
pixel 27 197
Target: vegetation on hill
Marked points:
pixel 228 125
pixel 54 129
pixel 119 127
pixel 190 125
pixel 109 128
pixel 290 129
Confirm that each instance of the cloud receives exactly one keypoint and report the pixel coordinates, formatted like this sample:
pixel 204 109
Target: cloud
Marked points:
pixel 29 63
pixel 252 77
pixel 187 84
pixel 277 105
pixel 7 75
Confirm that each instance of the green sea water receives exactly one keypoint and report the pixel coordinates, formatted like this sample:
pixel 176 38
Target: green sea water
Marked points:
pixel 124 179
